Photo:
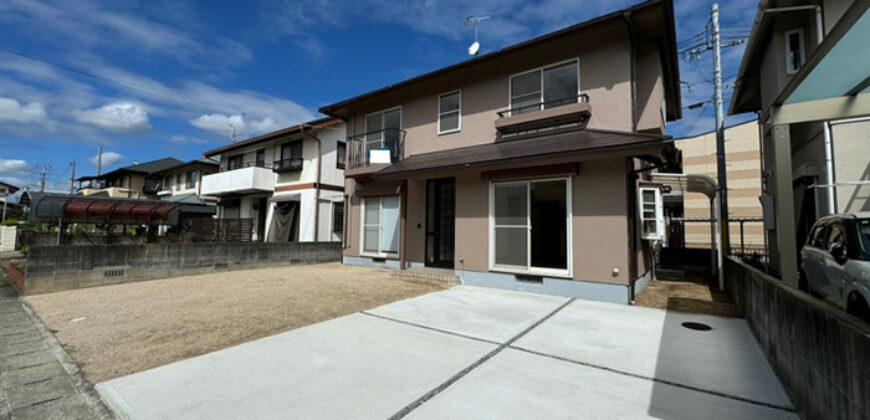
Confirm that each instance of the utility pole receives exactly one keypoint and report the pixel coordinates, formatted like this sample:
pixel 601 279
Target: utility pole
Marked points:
pixel 99 160
pixel 42 179
pixel 72 177
pixel 722 176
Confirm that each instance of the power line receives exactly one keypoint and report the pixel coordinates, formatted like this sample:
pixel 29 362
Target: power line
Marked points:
pixel 122 83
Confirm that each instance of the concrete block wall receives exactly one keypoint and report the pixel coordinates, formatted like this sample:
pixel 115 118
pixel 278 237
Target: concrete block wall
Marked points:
pixel 56 268
pixel 819 353
pixel 7 238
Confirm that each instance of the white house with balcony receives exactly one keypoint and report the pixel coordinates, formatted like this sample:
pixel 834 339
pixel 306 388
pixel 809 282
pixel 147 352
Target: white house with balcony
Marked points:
pixel 289 184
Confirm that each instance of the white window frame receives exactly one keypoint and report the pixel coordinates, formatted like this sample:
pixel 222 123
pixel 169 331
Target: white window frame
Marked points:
pixel 541 88
pixel 659 219
pixel 528 269
pixel 362 248
pixel 382 112
pixel 441 113
pixel 801 47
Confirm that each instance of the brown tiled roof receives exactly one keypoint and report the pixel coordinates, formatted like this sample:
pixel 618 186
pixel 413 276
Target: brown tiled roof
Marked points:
pixel 572 142
pixel 319 123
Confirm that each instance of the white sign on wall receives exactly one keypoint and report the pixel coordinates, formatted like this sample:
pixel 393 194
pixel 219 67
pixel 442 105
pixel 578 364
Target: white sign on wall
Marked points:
pixel 379 156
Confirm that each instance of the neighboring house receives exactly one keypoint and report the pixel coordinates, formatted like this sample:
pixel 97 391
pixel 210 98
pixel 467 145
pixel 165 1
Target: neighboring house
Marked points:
pixel 184 181
pixel 288 183
pixel 805 71
pixel 521 168
pixel 139 180
pixel 743 157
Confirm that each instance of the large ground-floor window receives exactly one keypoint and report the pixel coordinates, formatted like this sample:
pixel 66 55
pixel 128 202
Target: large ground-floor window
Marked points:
pixel 530 225
pixel 380 235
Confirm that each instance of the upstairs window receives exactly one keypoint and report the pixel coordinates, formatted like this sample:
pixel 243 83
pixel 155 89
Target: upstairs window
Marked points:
pixel 651 214
pixel 292 150
pixel 545 87
pixel 337 218
pixel 234 162
pixel 261 158
pixel 794 51
pixel 191 179
pixel 341 155
pixel 178 181
pixel 449 112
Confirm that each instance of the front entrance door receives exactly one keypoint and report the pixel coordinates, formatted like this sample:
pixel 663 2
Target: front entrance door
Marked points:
pixel 440 219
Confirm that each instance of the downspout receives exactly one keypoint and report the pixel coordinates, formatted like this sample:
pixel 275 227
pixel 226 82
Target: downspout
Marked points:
pixel 316 184
pixel 632 68
pixel 403 227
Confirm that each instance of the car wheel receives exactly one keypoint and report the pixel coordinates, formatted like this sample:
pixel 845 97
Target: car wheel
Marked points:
pixel 858 307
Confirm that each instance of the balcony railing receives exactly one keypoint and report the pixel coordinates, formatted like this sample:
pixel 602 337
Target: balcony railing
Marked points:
pixel 543 105
pixel 293 164
pixel 151 188
pixel 544 115
pixel 380 147
pixel 245 165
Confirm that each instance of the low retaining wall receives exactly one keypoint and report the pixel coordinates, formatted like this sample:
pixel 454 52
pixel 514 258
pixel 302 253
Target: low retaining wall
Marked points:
pixel 56 268
pixel 821 355
pixel 15 275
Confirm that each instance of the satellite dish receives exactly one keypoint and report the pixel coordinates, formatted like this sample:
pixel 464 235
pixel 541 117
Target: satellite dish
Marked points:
pixel 474 48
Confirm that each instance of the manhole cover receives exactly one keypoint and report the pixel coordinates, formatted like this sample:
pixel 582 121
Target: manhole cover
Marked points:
pixel 697 326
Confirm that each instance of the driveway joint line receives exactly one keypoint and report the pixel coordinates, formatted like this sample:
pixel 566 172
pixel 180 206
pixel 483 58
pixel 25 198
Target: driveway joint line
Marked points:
pixel 663 381
pixel 413 324
pixel 446 384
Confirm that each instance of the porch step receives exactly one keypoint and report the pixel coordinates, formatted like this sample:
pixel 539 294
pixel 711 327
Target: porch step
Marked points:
pixel 443 275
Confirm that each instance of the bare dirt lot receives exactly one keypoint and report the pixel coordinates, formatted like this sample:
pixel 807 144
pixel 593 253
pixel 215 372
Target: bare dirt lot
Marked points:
pixel 692 295
pixel 117 330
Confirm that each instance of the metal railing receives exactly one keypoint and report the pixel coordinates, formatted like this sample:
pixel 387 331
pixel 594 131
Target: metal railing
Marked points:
pixel 380 147
pixel 243 165
pixel 292 164
pixel 543 105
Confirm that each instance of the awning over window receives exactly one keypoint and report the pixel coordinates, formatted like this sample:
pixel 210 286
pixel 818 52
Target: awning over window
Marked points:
pixel 378 190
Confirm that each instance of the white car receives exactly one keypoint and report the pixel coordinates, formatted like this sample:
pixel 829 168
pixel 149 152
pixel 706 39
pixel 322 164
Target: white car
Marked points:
pixel 835 262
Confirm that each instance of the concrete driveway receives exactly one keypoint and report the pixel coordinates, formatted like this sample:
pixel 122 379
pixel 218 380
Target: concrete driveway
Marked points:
pixel 471 352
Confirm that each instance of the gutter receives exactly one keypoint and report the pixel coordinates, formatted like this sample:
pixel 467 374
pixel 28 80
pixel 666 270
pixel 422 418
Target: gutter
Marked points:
pixel 305 130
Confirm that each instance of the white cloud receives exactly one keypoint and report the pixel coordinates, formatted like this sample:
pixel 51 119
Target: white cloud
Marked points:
pixel 13 111
pixel 109 159
pixel 119 116
pixel 237 125
pixel 14 167
pixel 186 140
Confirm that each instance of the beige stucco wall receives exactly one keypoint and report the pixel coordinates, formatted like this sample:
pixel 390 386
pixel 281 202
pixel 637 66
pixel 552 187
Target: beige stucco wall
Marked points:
pixel 599 223
pixel 852 163
pixel 604 57
pixel 743 158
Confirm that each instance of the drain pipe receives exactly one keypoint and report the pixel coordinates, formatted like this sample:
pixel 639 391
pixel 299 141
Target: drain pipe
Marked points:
pixel 632 67
pixel 317 184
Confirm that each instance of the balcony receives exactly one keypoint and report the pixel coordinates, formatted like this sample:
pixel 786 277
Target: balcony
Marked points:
pixel 544 115
pixel 244 180
pixel 375 149
pixel 293 164
pixel 151 187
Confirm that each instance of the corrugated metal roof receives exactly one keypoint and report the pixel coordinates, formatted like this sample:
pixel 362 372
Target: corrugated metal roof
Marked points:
pixel 562 143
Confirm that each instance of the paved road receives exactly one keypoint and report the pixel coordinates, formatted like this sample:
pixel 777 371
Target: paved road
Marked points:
pixel 37 379
pixel 473 353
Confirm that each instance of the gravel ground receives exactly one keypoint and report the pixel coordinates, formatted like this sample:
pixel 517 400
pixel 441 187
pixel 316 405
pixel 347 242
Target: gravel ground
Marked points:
pixel 113 331
pixel 687 296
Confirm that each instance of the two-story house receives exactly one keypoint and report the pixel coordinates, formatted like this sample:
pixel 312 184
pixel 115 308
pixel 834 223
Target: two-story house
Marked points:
pixel 184 181
pixel 521 168
pixel 806 72
pixel 139 180
pixel 288 183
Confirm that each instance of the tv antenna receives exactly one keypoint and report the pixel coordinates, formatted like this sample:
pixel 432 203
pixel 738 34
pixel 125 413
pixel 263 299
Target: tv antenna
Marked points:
pixel 475 47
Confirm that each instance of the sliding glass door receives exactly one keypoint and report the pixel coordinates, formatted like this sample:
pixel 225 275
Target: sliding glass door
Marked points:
pixel 530 226
pixel 380 235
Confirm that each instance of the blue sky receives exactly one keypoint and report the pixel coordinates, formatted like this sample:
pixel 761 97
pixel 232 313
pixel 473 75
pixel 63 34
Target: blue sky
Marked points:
pixel 177 78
